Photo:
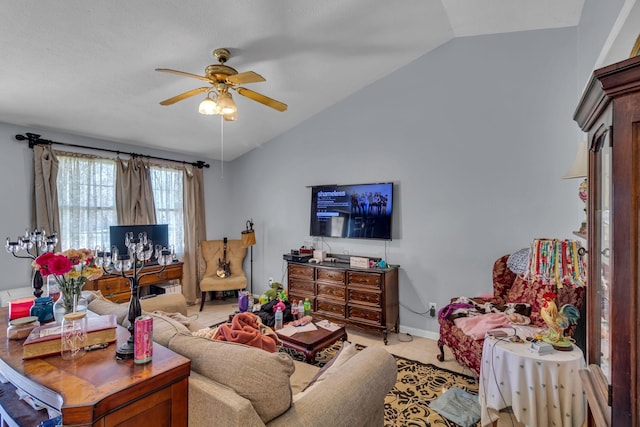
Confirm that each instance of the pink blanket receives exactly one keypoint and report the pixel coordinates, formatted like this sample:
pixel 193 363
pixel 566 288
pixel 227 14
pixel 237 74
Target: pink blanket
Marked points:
pixel 477 326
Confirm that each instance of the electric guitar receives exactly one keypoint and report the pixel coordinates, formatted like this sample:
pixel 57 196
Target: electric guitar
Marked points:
pixel 224 269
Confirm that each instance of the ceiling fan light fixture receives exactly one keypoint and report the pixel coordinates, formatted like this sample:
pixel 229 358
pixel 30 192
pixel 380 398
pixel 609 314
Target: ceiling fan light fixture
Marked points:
pixel 226 105
pixel 232 117
pixel 208 106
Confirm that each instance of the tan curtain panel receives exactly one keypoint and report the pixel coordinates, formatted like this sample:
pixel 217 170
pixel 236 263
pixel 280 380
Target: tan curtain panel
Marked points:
pixel 134 196
pixel 45 212
pixel 194 231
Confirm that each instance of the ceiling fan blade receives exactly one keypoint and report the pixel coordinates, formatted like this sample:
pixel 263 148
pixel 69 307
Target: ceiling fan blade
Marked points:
pixel 184 95
pixel 182 73
pixel 246 77
pixel 269 102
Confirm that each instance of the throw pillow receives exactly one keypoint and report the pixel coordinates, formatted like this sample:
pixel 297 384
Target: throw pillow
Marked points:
pixel 518 262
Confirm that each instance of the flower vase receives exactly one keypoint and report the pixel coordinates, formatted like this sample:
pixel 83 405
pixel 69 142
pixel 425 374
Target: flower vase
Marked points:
pixel 68 303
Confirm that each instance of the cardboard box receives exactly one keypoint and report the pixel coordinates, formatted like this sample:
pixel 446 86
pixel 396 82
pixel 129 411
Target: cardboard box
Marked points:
pixel 359 262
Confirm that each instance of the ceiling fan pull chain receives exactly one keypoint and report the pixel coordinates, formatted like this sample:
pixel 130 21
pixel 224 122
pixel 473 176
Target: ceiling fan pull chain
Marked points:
pixel 222 147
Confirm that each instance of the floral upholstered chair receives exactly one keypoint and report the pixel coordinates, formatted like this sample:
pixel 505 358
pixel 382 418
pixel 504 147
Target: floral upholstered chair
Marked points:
pixel 508 288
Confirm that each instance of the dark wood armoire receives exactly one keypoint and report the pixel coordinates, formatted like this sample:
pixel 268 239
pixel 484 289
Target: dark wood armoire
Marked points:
pixel 609 112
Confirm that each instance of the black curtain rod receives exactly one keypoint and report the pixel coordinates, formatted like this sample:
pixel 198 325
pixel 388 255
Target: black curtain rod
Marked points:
pixel 34 139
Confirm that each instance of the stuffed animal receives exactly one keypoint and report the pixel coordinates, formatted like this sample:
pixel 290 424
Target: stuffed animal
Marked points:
pixel 274 291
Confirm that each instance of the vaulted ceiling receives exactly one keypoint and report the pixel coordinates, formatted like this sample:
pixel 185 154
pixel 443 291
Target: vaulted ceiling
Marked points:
pixel 87 67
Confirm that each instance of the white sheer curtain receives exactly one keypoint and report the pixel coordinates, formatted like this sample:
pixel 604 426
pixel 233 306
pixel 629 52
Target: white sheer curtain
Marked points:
pixel 166 182
pixel 86 200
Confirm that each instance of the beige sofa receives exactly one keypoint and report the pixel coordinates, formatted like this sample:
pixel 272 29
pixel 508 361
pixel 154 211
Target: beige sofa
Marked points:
pixel 237 385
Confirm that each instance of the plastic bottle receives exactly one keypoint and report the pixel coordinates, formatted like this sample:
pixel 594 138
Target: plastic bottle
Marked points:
pixel 294 309
pixel 250 303
pixel 307 307
pixel 278 324
pixel 300 309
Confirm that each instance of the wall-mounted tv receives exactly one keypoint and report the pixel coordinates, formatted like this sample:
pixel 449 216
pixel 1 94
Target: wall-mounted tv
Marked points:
pixel 157 233
pixel 359 211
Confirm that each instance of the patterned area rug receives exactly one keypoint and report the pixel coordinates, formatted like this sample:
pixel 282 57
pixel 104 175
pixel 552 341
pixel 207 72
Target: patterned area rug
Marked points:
pixel 406 405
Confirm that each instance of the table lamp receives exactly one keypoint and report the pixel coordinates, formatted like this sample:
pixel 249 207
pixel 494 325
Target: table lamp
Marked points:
pixel 249 240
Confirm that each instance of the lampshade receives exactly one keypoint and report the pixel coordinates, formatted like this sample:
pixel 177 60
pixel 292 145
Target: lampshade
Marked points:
pixel 248 238
pixel 248 235
pixel 226 105
pixel 207 106
pixel 579 167
pixel 232 117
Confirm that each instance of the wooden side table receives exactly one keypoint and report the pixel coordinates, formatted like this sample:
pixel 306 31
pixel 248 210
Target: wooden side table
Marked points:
pixel 97 390
pixel 542 390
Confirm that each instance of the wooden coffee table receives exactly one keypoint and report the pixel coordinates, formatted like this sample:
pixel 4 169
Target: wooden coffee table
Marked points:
pixel 310 343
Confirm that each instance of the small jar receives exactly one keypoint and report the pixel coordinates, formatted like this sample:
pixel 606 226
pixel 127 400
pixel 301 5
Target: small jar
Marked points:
pixel 43 309
pixel 74 335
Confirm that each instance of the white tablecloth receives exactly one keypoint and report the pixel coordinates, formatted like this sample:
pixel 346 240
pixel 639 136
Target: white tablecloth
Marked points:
pixel 542 390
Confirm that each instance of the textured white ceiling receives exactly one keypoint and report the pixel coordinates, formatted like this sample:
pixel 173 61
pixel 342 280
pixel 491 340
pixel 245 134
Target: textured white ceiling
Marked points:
pixel 87 67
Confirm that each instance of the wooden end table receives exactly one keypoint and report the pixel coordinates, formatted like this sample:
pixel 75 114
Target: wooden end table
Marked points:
pixel 97 390
pixel 310 343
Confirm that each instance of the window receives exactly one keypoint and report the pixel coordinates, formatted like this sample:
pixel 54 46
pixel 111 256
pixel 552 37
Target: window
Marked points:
pixel 166 183
pixel 86 199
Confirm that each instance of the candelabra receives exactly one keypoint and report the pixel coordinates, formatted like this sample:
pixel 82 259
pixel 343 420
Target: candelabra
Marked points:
pixel 129 266
pixel 33 243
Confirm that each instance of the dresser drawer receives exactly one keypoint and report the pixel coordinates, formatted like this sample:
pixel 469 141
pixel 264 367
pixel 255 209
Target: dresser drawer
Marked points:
pixel 120 298
pixel 329 307
pixel 373 299
pixel 163 276
pixel 303 287
pixel 331 291
pixel 364 315
pixel 113 285
pixel 370 280
pixel 303 271
pixel 330 275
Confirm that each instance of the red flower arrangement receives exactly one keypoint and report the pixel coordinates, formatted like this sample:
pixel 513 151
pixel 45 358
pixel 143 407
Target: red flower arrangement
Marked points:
pixel 71 269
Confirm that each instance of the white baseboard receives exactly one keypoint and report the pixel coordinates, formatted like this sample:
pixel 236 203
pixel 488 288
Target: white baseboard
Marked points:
pixel 420 333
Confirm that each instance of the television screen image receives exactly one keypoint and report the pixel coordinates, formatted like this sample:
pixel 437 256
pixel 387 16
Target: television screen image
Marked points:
pixel 157 233
pixel 359 211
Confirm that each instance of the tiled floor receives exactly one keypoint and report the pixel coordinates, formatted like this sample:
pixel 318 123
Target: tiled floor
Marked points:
pixel 415 348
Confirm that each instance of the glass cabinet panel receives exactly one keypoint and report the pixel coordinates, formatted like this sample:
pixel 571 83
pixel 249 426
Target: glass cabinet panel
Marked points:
pixel 604 246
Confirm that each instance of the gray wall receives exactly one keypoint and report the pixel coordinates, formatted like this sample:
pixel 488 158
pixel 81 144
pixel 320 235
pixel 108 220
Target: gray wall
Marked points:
pixel 476 136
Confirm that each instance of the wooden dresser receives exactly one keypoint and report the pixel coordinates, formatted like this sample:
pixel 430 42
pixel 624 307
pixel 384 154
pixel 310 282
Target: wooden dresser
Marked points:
pixel 96 390
pixel 361 297
pixel 117 288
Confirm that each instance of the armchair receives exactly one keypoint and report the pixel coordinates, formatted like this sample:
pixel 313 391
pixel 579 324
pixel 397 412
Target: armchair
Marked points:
pixel 212 251
pixel 508 287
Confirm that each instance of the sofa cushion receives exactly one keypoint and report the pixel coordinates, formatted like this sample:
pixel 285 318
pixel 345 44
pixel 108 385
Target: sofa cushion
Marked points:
pixel 101 305
pixel 347 351
pixel 502 278
pixel 257 375
pixel 165 327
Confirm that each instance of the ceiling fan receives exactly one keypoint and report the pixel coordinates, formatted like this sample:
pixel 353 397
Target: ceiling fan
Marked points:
pixel 221 77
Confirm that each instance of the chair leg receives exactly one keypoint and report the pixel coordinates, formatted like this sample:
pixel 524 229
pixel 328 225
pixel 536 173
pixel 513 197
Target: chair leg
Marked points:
pixel 440 356
pixel 202 298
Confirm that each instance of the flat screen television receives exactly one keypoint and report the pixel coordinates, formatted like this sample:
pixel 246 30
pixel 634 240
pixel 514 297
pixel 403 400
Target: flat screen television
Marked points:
pixel 157 233
pixel 358 211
